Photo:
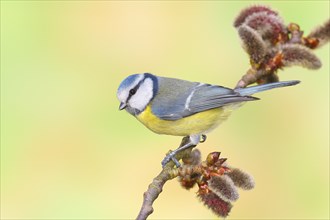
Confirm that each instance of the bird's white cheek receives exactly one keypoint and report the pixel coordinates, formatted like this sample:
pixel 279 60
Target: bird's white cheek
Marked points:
pixel 143 95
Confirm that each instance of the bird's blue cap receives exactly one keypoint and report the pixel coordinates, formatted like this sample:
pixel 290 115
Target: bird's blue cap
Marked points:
pixel 128 81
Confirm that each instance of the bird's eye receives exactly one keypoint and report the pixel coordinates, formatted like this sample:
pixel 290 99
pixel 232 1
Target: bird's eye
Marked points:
pixel 132 91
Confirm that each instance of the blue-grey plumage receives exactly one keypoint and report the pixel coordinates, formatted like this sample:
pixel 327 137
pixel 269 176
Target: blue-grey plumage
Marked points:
pixel 260 88
pixel 179 98
pixel 179 107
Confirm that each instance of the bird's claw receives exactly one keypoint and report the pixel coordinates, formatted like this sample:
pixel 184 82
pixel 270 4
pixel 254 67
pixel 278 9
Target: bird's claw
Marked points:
pixel 169 157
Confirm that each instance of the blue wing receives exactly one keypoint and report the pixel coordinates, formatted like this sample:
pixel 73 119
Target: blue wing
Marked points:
pixel 178 98
pixel 208 96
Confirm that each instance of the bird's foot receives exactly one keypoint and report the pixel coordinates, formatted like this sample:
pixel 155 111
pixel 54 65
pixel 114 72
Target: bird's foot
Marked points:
pixel 169 157
pixel 188 143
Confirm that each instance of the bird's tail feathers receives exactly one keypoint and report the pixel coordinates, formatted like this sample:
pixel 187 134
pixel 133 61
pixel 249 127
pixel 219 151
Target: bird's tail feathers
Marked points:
pixel 255 89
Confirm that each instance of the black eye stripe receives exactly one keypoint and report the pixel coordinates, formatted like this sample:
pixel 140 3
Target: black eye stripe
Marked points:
pixel 133 91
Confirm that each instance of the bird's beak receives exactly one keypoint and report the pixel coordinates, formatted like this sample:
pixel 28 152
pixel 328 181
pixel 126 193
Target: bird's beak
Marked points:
pixel 122 106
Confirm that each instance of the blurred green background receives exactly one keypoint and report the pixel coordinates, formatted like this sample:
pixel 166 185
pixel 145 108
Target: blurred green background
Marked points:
pixel 68 153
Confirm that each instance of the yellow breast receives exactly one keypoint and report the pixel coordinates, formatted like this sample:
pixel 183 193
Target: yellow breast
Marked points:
pixel 199 123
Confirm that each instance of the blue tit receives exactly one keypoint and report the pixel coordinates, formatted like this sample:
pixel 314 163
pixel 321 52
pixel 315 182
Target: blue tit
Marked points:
pixel 182 108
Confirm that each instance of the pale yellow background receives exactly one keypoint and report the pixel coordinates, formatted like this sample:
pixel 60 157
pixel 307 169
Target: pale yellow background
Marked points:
pixel 68 153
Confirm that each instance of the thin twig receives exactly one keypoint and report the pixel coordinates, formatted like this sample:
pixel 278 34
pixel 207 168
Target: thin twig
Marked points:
pixel 156 187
